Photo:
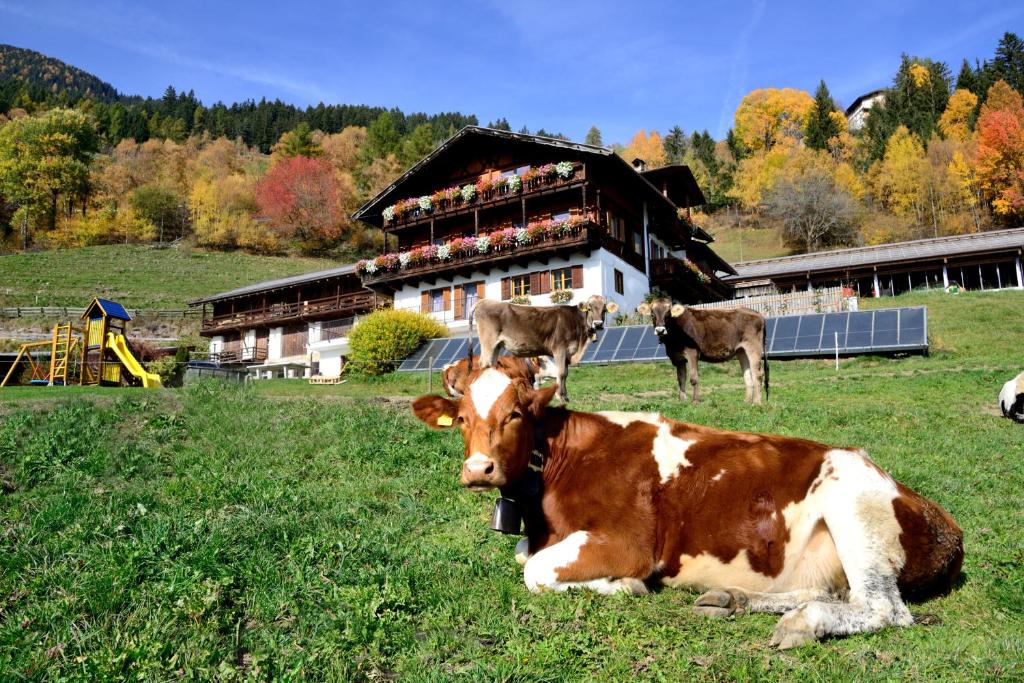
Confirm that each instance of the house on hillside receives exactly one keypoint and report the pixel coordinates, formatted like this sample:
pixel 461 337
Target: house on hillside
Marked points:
pixel 292 327
pixel 857 113
pixel 508 216
pixel 979 261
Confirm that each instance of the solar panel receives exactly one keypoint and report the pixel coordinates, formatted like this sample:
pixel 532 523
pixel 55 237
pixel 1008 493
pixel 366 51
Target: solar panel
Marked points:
pixel 792 336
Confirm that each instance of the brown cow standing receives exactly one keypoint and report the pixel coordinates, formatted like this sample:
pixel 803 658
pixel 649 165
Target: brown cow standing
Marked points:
pixel 455 376
pixel 562 332
pixel 612 501
pixel 715 336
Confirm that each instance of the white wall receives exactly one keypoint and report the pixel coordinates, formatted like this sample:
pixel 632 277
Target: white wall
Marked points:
pixel 330 362
pixel 216 343
pixel 598 278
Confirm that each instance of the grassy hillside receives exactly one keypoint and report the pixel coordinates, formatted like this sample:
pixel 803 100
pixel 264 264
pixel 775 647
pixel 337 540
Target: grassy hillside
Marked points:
pixel 137 276
pixel 747 244
pixel 288 531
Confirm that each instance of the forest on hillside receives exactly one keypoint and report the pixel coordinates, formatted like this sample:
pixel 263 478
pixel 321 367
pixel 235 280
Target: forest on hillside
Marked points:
pixel 81 164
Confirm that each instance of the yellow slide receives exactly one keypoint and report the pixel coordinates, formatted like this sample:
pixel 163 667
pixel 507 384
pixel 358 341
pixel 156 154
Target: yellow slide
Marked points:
pixel 119 345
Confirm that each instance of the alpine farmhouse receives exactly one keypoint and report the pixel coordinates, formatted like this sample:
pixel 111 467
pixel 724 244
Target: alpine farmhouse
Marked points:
pixel 487 214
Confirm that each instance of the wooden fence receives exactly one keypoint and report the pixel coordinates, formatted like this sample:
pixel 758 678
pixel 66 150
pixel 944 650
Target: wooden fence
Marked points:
pixel 66 312
pixel 828 300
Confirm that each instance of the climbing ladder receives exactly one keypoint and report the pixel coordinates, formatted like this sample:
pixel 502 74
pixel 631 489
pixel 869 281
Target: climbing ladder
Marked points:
pixel 60 354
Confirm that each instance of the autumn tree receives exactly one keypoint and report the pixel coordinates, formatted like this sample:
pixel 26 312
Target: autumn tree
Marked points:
pixel 958 119
pixel 822 126
pixel 766 116
pixel 647 147
pixel 899 178
pixel 999 158
pixel 299 199
pixel 43 158
pixel 594 137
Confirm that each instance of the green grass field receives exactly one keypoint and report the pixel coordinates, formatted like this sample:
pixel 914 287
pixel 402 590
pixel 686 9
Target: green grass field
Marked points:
pixel 137 276
pixel 319 533
pixel 736 244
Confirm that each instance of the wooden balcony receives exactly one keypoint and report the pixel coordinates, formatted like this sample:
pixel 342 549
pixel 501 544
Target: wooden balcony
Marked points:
pixel 675 277
pixel 586 237
pixel 491 198
pixel 275 314
pixel 239 355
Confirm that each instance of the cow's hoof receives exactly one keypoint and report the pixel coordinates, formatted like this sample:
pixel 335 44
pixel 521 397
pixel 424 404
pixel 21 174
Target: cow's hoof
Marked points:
pixel 522 551
pixel 720 603
pixel 631 586
pixel 793 630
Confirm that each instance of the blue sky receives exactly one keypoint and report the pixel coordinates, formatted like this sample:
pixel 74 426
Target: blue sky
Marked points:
pixel 563 66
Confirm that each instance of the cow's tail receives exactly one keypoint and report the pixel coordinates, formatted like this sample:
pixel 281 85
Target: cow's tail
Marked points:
pixel 764 359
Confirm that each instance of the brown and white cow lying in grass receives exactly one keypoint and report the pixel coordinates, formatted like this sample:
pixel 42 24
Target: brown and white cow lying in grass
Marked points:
pixel 692 334
pixel 561 332
pixel 621 501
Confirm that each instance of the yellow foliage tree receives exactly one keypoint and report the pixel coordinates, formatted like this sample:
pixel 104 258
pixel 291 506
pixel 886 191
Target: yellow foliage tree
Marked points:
pixel 955 122
pixel 898 179
pixel 766 116
pixel 650 148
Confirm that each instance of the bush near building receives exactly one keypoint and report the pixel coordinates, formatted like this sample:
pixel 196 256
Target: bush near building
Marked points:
pixel 386 336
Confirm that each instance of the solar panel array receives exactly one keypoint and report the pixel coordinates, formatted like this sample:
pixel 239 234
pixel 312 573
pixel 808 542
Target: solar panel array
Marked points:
pixel 792 336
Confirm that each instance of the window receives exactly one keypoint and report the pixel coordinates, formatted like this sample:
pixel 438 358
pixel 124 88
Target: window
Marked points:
pixel 620 285
pixel 615 227
pixel 437 301
pixel 638 243
pixel 562 216
pixel 521 285
pixel 469 297
pixel 561 278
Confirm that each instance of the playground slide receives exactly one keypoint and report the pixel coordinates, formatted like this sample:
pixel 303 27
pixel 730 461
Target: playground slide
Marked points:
pixel 119 345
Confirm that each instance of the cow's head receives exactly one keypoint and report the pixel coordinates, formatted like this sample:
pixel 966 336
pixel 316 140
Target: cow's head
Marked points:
pixel 661 310
pixel 595 307
pixel 497 418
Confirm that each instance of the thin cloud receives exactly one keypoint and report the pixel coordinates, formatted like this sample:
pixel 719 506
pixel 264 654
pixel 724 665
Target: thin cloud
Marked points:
pixel 740 64
pixel 150 47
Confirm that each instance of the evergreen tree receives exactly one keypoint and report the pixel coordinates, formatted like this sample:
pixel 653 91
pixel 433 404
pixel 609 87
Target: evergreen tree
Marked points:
pixel 1009 61
pixel 419 144
pixel 524 131
pixel 500 124
pixel 594 137
pixel 821 126
pixel 382 137
pixel 966 79
pixel 298 143
pixel 675 146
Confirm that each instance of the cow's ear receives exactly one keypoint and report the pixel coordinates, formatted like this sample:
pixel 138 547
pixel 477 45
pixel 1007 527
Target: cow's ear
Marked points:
pixel 612 307
pixel 541 398
pixel 644 309
pixel 583 305
pixel 436 412
pixel 678 310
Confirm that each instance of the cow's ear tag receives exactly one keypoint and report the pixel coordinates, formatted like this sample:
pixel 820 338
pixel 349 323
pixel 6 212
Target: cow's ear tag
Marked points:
pixel 445 421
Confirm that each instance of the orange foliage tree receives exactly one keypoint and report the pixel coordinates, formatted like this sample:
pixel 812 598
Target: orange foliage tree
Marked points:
pixel 766 116
pixel 999 157
pixel 299 197
pixel 650 148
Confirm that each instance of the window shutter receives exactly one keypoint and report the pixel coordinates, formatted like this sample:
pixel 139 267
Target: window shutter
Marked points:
pixel 447 298
pixel 544 282
pixel 479 291
pixel 424 302
pixel 535 286
pixel 506 288
pixel 577 277
pixel 460 312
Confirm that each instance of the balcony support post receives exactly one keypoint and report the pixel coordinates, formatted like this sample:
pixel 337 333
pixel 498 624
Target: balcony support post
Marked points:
pixel 647 246
pixel 522 202
pixel 476 222
pixel 431 230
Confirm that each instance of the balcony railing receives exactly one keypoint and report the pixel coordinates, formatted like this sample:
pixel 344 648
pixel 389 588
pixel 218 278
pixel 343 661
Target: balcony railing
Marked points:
pixel 237 355
pixel 586 234
pixel 676 277
pixel 488 198
pixel 350 304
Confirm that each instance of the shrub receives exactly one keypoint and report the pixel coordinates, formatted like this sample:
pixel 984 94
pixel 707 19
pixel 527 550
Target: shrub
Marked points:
pixel 561 296
pixel 386 336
